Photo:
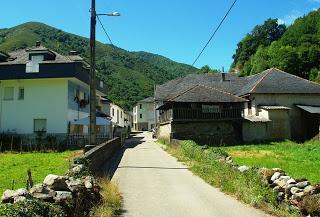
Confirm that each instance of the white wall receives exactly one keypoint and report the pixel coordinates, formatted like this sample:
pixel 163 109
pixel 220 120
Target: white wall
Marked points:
pixel 43 99
pixel 147 111
pixel 117 119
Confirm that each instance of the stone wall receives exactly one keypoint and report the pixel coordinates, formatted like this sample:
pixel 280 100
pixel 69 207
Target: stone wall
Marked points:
pixel 164 131
pixel 100 154
pixel 278 128
pixel 209 132
pixel 254 131
pixel 295 114
pixel 299 194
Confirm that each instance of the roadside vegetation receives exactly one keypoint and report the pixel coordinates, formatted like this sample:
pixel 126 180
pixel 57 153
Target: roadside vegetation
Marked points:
pixel 298 160
pixel 247 187
pixel 14 166
pixel 111 200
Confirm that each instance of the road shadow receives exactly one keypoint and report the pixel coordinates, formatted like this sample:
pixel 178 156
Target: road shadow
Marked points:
pixel 110 167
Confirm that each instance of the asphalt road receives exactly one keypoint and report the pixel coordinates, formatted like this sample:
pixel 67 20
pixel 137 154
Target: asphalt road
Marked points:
pixel 154 184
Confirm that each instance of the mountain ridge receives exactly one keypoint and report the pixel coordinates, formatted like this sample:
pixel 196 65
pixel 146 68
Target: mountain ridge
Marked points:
pixel 129 75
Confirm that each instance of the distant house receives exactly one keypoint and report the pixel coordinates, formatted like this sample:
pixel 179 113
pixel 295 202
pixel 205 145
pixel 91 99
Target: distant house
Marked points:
pixel 121 119
pixel 224 108
pixel 144 115
pixel 43 91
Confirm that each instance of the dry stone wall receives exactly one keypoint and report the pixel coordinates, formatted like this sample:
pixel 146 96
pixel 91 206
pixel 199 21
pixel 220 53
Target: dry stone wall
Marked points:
pixel 298 193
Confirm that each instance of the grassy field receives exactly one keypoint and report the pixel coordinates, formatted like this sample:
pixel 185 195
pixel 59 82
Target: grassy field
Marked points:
pixel 298 160
pixel 14 166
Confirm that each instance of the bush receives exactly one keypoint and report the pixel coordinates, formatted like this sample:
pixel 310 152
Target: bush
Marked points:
pixel 31 208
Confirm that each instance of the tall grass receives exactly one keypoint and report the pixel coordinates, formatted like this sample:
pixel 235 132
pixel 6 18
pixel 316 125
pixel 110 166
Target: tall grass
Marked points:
pixel 247 187
pixel 111 200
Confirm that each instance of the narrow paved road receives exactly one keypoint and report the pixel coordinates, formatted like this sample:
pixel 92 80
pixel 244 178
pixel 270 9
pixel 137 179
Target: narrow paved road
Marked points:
pixel 154 184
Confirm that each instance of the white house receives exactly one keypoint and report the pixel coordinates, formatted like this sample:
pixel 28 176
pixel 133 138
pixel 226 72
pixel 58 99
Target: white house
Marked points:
pixel 41 90
pixel 144 115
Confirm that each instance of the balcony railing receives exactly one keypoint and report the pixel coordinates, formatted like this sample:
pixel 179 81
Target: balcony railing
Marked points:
pixel 185 114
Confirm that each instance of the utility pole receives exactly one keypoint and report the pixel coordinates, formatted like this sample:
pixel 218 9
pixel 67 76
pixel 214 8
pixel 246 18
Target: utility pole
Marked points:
pixel 92 128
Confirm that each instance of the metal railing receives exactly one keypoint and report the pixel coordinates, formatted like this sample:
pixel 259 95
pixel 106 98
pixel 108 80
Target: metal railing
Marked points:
pixel 82 140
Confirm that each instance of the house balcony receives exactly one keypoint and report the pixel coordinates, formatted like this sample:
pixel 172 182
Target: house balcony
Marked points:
pixel 188 114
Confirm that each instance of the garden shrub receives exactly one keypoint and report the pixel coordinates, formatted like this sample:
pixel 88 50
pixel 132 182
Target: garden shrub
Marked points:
pixel 31 208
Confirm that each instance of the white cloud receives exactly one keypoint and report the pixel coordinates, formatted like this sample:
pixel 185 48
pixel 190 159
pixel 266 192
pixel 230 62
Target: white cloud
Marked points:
pixel 290 18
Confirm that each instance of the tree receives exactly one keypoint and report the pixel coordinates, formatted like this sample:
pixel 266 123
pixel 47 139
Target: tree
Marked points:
pixel 207 70
pixel 261 35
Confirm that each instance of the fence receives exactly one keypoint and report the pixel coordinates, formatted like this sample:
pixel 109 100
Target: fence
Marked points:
pixel 44 142
pixel 81 140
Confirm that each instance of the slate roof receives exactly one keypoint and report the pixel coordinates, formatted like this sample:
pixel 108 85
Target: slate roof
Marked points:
pixel 199 93
pixel 275 107
pixel 272 81
pixel 172 88
pixel 276 81
pixel 22 56
pixel 310 109
pixel 254 118
pixel 148 100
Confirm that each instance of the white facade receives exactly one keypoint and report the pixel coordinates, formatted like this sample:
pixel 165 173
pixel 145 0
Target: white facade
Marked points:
pixel 143 116
pixel 27 104
pixel 117 115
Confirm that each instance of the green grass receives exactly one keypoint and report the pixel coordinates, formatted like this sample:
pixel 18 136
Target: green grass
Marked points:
pixel 298 160
pixel 247 187
pixel 14 166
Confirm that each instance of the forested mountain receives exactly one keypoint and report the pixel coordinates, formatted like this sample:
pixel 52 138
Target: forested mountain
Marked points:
pixel 130 76
pixel 295 49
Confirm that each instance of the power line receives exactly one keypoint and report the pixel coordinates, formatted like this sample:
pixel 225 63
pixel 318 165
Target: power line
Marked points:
pixel 214 33
pixel 105 31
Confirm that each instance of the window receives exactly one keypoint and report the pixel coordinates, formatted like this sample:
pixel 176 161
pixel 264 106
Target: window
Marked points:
pixel 210 108
pixel 40 125
pixel 21 93
pixel 117 116
pixel 101 84
pixel 121 114
pixel 33 65
pixel 8 93
pixel 140 106
pixel 140 116
pixel 81 96
pixel 112 112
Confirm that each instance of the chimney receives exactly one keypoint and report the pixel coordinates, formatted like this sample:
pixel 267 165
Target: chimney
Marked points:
pixel 38 43
pixel 223 77
pixel 73 53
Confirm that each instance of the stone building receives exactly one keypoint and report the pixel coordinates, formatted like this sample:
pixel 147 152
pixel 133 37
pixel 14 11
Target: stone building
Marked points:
pixel 224 108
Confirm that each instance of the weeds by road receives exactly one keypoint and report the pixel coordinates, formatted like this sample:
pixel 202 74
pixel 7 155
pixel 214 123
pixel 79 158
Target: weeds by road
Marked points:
pixel 246 187
pixel 111 200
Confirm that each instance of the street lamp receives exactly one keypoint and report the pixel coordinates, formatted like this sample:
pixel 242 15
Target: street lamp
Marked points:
pixel 92 127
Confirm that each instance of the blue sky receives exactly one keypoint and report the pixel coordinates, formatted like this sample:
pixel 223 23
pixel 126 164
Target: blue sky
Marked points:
pixel 176 29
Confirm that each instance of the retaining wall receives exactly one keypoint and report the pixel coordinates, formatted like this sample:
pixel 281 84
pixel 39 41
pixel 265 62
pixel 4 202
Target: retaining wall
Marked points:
pixel 100 154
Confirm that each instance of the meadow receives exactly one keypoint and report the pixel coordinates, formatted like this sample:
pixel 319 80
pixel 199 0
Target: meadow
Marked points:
pixel 298 160
pixel 14 166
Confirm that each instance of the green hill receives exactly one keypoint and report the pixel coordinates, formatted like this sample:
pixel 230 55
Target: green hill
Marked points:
pixel 130 76
pixel 295 49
